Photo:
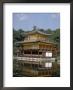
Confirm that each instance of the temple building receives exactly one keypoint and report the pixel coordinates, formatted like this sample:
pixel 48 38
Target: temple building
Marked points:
pixel 36 54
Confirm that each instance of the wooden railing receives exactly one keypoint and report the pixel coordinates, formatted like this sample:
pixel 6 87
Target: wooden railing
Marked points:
pixel 34 59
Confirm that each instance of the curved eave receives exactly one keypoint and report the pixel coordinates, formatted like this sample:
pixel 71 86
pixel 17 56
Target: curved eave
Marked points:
pixel 23 42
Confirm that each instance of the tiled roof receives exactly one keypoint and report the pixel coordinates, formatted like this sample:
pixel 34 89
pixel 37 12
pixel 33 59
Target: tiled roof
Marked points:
pixel 37 31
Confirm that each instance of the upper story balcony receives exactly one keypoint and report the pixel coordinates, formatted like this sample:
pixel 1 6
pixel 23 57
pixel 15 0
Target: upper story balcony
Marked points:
pixel 36 39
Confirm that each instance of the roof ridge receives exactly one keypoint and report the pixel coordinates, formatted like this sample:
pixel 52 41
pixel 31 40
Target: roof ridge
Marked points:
pixel 33 31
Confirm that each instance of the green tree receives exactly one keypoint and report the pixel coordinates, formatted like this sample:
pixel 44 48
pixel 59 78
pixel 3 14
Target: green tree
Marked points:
pixel 18 35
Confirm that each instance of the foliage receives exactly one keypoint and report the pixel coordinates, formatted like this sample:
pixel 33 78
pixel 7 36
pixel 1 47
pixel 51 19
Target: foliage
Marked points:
pixel 56 70
pixel 18 35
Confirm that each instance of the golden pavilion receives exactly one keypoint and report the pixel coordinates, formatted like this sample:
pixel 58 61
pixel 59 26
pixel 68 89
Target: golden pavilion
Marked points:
pixel 36 54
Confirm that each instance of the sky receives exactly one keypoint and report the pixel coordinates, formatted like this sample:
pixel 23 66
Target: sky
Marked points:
pixel 26 21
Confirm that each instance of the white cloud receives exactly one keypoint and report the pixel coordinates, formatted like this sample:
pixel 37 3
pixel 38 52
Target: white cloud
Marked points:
pixel 22 17
pixel 54 16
